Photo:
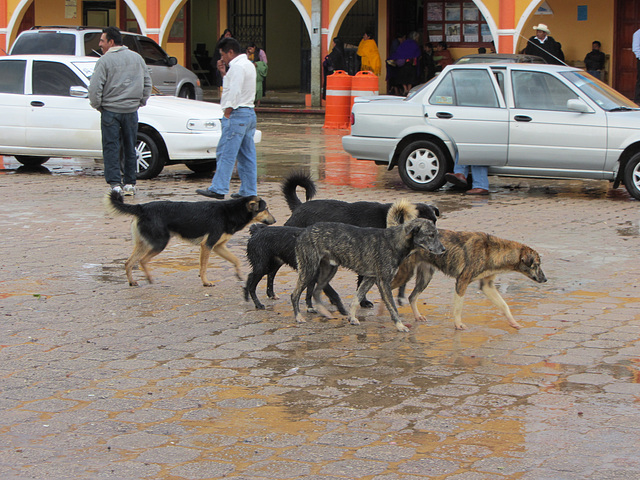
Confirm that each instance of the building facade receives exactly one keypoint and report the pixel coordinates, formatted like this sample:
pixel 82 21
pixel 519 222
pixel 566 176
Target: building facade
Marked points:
pixel 297 34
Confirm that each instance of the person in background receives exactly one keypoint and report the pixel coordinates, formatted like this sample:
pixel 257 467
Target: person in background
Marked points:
pixel 332 62
pixel 594 60
pixel 368 52
pixel 428 66
pixel 119 86
pixel 544 45
pixel 251 51
pixel 253 54
pixel 635 46
pixel 406 59
pixel 216 57
pixel 442 56
pixel 238 124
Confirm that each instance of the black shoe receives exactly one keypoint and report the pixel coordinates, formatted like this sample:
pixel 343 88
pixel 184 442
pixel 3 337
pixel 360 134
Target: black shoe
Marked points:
pixel 236 195
pixel 208 193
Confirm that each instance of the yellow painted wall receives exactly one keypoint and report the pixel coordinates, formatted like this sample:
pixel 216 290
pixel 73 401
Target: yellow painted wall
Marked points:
pixel 575 36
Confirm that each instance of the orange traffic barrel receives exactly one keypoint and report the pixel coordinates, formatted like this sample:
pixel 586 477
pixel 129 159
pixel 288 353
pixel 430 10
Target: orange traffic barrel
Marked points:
pixel 337 112
pixel 364 83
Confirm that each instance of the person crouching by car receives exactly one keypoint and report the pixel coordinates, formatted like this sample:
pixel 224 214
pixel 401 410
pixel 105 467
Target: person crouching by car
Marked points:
pixel 119 86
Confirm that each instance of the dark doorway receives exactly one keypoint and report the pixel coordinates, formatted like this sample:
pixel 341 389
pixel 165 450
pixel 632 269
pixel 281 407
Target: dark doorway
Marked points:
pixel 627 21
pixel 247 20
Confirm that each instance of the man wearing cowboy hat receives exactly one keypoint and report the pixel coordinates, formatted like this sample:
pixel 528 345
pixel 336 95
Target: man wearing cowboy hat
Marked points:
pixel 543 45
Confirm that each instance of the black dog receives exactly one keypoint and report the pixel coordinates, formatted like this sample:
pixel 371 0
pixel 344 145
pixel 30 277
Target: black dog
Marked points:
pixel 373 253
pixel 268 249
pixel 209 224
pixel 360 214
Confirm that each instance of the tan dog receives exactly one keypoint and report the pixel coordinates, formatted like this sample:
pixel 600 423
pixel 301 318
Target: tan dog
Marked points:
pixel 208 224
pixel 469 256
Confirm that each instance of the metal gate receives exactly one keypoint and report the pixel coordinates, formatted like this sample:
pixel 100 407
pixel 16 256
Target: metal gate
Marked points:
pixel 247 20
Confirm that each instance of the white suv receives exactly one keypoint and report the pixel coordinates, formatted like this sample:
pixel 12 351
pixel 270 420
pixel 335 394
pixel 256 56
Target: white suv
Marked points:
pixel 167 76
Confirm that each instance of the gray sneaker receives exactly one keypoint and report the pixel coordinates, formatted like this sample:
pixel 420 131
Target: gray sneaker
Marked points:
pixel 117 188
pixel 129 190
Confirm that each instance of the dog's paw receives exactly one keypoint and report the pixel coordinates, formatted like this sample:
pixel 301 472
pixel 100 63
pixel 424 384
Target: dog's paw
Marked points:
pixel 420 318
pixel 273 296
pixel 133 283
pixel 312 310
pixel 354 321
pixel 515 325
pixel 402 301
pixel 259 306
pixel 300 318
pixel 366 304
pixel 207 284
pixel 402 327
pixel 460 326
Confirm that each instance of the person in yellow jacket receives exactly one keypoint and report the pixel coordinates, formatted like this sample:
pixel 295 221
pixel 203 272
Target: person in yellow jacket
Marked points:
pixel 368 51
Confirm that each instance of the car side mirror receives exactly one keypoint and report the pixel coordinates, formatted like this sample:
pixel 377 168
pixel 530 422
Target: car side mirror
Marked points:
pixel 578 105
pixel 171 61
pixel 79 92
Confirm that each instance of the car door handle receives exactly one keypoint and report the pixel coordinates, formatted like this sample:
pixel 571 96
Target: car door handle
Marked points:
pixel 37 104
pixel 522 118
pixel 444 115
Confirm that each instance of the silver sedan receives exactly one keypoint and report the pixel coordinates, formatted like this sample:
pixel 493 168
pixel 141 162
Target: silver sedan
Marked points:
pixel 523 120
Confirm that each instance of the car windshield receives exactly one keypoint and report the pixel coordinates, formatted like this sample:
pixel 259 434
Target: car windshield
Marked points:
pixel 601 93
pixel 85 67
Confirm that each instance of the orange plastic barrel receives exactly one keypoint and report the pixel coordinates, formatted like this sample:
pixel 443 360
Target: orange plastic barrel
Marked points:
pixel 337 112
pixel 364 83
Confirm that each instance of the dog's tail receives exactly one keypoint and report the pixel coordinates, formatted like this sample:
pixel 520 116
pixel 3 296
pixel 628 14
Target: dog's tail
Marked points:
pixel 291 182
pixel 402 211
pixel 253 229
pixel 114 204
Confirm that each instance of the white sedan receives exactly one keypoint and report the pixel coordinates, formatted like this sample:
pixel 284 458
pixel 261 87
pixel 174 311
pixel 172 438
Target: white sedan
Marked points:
pixel 46 113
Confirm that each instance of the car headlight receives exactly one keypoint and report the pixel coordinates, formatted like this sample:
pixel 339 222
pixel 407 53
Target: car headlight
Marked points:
pixel 202 125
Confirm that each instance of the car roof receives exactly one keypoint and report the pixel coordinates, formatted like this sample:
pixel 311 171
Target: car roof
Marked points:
pixel 541 67
pixel 497 57
pixel 56 58
pixel 72 28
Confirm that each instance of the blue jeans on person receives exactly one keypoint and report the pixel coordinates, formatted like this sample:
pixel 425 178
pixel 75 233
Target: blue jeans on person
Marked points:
pixel 479 174
pixel 236 142
pixel 119 132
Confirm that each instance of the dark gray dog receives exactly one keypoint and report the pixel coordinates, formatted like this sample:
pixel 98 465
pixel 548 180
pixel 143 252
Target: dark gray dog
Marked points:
pixel 373 253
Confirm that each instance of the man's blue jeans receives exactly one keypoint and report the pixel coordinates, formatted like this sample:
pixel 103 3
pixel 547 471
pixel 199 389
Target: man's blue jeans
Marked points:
pixel 119 132
pixel 237 142
pixel 479 174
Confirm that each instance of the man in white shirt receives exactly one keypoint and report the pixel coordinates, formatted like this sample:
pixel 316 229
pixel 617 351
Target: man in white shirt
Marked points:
pixel 635 46
pixel 238 124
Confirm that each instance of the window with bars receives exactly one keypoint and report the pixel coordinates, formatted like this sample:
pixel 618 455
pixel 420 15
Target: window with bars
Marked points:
pixel 460 24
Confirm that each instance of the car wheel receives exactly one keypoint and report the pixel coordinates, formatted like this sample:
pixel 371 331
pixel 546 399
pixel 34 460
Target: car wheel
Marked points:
pixel 632 176
pixel 201 167
pixel 30 160
pixel 186 91
pixel 422 166
pixel 150 161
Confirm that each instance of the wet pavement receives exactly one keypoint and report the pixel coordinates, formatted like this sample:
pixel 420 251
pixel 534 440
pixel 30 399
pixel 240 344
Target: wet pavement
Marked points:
pixel 173 380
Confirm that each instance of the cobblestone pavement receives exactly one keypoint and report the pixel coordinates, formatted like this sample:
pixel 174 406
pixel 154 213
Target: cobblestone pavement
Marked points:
pixel 173 380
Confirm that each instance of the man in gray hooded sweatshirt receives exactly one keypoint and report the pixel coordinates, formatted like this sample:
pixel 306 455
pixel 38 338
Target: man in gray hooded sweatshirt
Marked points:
pixel 120 84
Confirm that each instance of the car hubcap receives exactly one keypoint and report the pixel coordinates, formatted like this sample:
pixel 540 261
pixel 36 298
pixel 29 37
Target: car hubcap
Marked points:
pixel 635 176
pixel 144 156
pixel 422 166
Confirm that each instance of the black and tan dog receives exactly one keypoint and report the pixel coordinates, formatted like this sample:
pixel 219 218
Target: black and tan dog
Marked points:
pixel 373 253
pixel 268 248
pixel 208 224
pixel 360 214
pixel 470 256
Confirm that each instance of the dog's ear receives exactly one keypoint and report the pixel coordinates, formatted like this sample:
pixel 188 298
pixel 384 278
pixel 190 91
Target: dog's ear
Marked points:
pixel 254 205
pixel 528 257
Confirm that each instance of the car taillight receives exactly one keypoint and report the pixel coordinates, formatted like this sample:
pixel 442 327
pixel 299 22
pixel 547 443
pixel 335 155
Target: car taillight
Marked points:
pixel 353 118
